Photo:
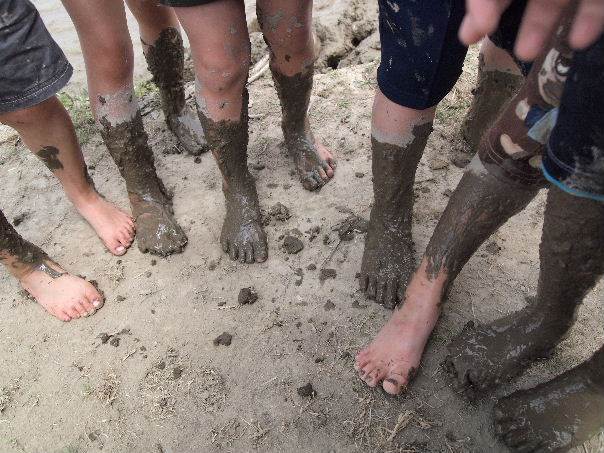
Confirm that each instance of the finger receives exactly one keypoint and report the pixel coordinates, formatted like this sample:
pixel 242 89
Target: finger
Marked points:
pixel 482 17
pixel 540 18
pixel 588 24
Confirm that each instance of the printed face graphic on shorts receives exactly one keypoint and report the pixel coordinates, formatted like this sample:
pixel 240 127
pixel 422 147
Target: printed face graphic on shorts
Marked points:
pixel 553 75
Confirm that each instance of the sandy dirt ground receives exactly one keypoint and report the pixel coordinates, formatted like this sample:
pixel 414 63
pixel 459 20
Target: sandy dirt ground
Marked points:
pixel 144 374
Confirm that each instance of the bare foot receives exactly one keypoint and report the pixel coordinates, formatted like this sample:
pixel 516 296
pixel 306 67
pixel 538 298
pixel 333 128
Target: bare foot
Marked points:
pixel 242 235
pixel 187 129
pixel 62 295
pixel 554 416
pixel 485 356
pixel 388 260
pixel 314 162
pixel 113 226
pixel 157 230
pixel 394 355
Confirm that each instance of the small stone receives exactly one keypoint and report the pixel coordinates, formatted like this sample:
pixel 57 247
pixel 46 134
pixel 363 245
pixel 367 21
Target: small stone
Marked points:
pixel 115 342
pixel 105 337
pixel 223 339
pixel 311 267
pixel 222 303
pixel 438 164
pixel 153 262
pixel 247 296
pixel 279 212
pixel 359 174
pixel 197 160
pixel 177 372
pixel 326 274
pixel 120 298
pixel 319 359
pixel 148 274
pixel 329 305
pixel 493 248
pixel 356 304
pixel 307 391
pixel 257 166
pixel 292 245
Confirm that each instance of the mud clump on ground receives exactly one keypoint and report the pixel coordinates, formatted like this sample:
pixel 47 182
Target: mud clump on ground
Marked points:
pixel 223 339
pixel 247 296
pixel 307 391
pixel 292 245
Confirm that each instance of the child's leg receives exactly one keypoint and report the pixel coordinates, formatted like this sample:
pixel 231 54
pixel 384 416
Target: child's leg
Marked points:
pixel 164 51
pixel 47 131
pixel 568 410
pixel 221 51
pixel 61 294
pixel 499 79
pixel 108 55
pixel 287 28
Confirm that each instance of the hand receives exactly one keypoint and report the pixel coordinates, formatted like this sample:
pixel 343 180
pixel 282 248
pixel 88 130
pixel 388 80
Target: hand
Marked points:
pixel 540 18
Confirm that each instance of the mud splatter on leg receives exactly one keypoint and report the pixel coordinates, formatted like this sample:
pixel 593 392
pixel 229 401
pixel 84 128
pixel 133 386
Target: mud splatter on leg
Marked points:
pixel 388 258
pixel 122 130
pixel 165 59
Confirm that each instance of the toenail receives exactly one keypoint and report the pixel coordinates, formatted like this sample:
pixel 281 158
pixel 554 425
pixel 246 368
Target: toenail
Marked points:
pixel 120 249
pixel 96 303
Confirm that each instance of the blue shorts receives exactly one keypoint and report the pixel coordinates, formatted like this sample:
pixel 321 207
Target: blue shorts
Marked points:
pixel 574 157
pixel 422 57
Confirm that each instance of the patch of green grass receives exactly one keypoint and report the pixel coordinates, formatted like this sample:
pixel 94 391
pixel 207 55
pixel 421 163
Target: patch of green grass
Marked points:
pixel 144 87
pixel 79 110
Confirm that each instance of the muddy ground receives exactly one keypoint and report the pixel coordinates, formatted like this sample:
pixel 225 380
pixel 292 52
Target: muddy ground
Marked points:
pixel 144 374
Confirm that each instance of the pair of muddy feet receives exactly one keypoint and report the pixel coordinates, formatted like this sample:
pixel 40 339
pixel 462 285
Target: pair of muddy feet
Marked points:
pixel 554 416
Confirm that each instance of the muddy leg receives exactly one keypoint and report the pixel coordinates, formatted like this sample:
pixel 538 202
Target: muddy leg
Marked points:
pixel 568 410
pixel 388 258
pixel 63 295
pixel 287 28
pixel 486 356
pixel 164 52
pixel 107 49
pixel 47 131
pixel 221 52
pixel 499 79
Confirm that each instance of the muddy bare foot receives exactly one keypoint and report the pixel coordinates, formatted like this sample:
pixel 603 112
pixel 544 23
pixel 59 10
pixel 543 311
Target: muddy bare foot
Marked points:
pixel 242 235
pixel 485 356
pixel 187 129
pixel 394 355
pixel 314 162
pixel 388 261
pixel 112 225
pixel 554 416
pixel 62 295
pixel 157 231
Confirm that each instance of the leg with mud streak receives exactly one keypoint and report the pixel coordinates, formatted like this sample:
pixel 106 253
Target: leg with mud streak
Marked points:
pixel 568 410
pixel 164 52
pixel 48 132
pixel 221 53
pixel 287 29
pixel 107 49
pixel 499 79
pixel 63 295
pixel 398 138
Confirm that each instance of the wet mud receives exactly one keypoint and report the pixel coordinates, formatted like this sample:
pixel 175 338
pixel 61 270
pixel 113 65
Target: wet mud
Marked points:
pixel 557 415
pixel 156 229
pixel 493 90
pixel 242 236
pixel 165 59
pixel 50 156
pixel 388 258
pixel 294 94
pixel 480 204
pixel 21 255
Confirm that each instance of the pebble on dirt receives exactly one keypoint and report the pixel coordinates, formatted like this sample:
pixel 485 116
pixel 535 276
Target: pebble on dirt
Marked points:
pixel 307 391
pixel 247 296
pixel 292 245
pixel 223 339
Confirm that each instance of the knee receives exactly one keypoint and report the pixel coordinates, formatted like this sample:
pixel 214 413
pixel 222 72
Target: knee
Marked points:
pixel 35 115
pixel 113 62
pixel 224 75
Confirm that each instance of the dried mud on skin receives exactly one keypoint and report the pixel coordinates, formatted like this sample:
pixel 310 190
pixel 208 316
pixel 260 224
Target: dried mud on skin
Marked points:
pixel 181 393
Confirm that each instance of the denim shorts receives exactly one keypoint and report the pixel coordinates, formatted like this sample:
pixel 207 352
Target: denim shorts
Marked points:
pixel 422 57
pixel 32 66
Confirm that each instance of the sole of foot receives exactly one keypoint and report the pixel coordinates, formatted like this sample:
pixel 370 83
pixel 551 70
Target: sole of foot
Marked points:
pixel 555 416
pixel 482 357
pixel 66 297
pixel 112 225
